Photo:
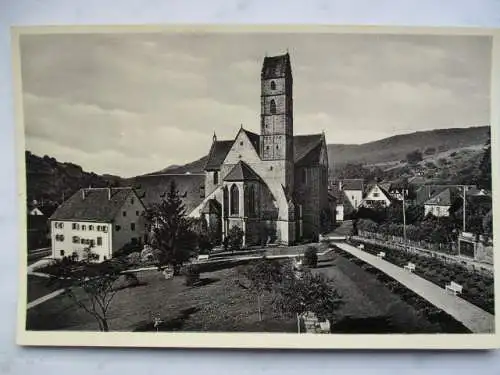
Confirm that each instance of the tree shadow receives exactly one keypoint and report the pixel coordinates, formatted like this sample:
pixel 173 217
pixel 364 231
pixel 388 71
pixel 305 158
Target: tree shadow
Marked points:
pixel 204 281
pixel 174 324
pixel 130 286
pixel 369 325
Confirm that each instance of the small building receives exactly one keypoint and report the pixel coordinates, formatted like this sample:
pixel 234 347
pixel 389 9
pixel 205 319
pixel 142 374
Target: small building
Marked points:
pixel 104 219
pixel 35 212
pixel 377 196
pixel 441 202
pixel 353 191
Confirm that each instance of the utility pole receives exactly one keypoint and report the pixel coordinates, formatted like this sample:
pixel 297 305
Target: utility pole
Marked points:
pixel 404 216
pixel 463 229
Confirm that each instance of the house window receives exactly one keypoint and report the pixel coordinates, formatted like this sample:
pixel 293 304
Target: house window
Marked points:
pixel 99 241
pixel 241 143
pixel 376 194
pixel 105 229
pixel 272 107
pixel 136 213
pixel 59 237
pixel 216 178
pixel 74 226
pixel 91 227
pixel 76 239
pixel 117 228
pixel 132 200
pixel 235 200
pixel 92 243
pixel 84 227
pixel 132 226
pixel 124 213
pixel 61 252
pixel 273 85
pixel 105 257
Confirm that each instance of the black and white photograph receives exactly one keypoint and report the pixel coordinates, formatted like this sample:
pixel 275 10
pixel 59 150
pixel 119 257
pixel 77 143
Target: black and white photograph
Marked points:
pixel 293 185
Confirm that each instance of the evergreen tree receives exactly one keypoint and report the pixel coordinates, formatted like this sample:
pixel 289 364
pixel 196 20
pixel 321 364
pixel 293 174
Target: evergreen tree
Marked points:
pixel 172 231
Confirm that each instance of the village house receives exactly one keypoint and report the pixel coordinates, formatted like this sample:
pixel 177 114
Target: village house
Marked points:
pixel 104 219
pixel 377 196
pixel 272 185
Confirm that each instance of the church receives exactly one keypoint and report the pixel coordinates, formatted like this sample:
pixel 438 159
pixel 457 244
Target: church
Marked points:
pixel 273 185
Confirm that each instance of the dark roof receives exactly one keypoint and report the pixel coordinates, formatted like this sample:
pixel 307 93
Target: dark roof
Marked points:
pixel 443 198
pixel 307 149
pixel 306 146
pixel 241 172
pixel 211 207
pixel 254 139
pixel 152 189
pixel 352 184
pixel 276 66
pixel 93 204
pixel 217 154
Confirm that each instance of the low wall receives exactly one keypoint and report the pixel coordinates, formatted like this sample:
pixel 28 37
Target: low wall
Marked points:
pixel 469 263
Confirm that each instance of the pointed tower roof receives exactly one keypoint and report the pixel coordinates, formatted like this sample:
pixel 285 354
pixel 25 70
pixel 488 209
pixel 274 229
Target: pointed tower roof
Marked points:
pixel 276 66
pixel 241 172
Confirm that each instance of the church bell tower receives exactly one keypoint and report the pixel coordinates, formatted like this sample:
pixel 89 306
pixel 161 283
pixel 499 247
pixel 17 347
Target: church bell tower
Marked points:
pixel 276 141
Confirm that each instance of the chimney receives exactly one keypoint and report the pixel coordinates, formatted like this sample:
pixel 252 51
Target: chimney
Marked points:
pixel 109 193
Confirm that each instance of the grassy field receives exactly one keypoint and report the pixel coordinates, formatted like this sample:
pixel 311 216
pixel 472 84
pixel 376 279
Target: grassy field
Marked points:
pixel 220 305
pixel 39 287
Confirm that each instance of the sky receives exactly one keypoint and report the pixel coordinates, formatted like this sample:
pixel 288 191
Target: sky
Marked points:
pixel 129 104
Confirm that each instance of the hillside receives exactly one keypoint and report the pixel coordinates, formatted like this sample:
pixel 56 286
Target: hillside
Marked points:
pixel 49 180
pixel 392 149
pixel 395 148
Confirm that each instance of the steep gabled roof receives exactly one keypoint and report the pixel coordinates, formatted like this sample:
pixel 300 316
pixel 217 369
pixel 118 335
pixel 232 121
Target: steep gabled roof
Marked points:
pixel 306 146
pixel 152 189
pixel 443 198
pixel 276 66
pixel 254 139
pixel 241 172
pixel 93 204
pixel 217 154
pixel 352 184
pixel 211 207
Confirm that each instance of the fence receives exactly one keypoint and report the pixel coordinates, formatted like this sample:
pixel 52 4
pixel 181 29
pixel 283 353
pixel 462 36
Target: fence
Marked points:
pixel 446 258
pixel 447 248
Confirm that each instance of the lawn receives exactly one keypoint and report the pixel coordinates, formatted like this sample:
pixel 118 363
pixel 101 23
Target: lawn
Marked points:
pixel 370 307
pixel 220 305
pixel 39 287
pixel 477 289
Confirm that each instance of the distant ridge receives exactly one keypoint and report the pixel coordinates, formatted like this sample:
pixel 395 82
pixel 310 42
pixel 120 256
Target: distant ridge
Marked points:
pixel 384 150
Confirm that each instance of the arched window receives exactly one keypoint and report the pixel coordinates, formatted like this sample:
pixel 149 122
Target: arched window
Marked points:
pixel 225 198
pixel 273 85
pixel 235 200
pixel 251 200
pixel 272 107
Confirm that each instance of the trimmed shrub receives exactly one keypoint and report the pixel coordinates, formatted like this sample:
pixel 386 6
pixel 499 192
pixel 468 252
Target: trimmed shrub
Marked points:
pixel 235 238
pixel 311 257
pixel 192 274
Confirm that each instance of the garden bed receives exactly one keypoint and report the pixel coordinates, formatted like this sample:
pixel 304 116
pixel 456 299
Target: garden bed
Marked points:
pixel 477 289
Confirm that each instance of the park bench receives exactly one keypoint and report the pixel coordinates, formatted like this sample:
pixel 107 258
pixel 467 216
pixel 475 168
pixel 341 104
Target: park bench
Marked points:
pixel 381 254
pixel 203 257
pixel 454 288
pixel 410 267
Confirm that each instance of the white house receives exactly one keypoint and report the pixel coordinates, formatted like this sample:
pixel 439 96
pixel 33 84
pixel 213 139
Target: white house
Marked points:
pixel 35 212
pixel 440 203
pixel 377 196
pixel 104 218
pixel 353 192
